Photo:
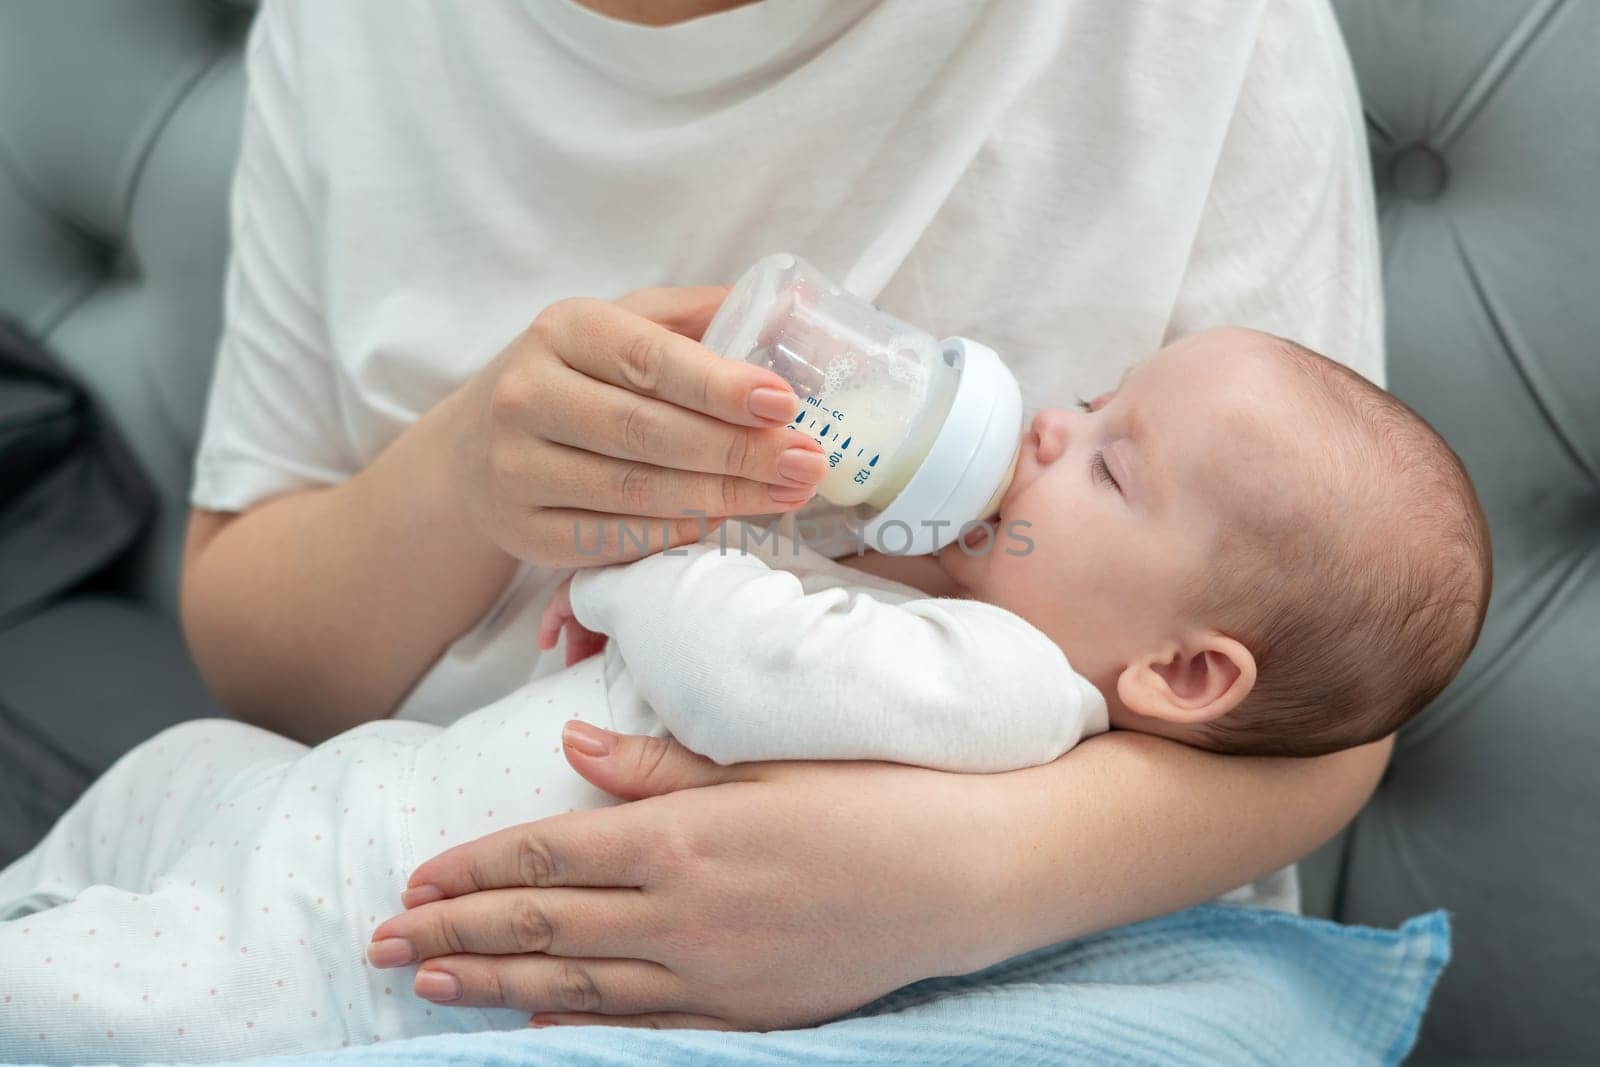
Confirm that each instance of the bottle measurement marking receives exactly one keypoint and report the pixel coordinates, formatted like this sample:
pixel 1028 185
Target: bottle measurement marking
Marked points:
pixel 800 421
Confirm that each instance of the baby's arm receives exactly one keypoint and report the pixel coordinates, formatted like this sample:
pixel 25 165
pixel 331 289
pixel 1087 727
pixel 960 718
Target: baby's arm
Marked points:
pixel 742 664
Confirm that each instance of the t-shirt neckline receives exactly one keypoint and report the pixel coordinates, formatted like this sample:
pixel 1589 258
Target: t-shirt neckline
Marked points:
pixel 700 54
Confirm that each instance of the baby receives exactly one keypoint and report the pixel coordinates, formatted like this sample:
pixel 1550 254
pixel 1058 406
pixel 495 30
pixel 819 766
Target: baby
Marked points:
pixel 1245 547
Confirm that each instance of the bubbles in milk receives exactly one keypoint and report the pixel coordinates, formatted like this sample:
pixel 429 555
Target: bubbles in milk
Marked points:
pixel 840 369
pixel 908 368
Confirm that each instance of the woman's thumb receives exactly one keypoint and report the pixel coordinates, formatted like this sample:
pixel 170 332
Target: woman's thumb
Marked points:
pixel 633 767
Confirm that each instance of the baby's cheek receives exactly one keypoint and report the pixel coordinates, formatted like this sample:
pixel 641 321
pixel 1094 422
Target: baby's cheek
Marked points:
pixel 1020 580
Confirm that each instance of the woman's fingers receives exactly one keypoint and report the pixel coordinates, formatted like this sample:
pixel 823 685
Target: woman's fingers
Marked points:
pixel 601 848
pixel 632 767
pixel 604 847
pixel 599 417
pixel 534 983
pixel 575 478
pixel 609 344
pixel 600 410
pixel 661 1020
pixel 599 923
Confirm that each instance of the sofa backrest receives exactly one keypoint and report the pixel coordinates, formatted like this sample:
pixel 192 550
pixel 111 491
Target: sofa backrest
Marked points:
pixel 1484 123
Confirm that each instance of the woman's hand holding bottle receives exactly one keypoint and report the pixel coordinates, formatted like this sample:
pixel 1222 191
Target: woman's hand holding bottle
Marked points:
pixel 604 431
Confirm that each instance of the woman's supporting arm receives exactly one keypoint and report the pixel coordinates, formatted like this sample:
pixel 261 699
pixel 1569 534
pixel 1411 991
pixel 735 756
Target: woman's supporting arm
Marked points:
pixel 318 610
pixel 1131 826
pixel 774 895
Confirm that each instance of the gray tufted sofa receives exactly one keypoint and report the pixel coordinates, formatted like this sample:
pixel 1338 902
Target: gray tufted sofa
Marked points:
pixel 117 132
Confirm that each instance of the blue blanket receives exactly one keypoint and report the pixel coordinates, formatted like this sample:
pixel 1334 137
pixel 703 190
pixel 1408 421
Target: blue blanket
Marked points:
pixel 1213 984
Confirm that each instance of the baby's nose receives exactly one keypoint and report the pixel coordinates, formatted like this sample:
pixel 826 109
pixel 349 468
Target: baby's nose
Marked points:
pixel 1050 427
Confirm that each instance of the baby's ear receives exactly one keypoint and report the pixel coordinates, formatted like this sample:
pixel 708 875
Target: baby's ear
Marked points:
pixel 1201 678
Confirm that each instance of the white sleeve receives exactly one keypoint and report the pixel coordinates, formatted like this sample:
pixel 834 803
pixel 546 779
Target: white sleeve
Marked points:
pixel 1288 238
pixel 272 421
pixel 742 664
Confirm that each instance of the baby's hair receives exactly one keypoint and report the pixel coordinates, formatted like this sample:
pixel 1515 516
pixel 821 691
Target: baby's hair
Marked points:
pixel 1359 614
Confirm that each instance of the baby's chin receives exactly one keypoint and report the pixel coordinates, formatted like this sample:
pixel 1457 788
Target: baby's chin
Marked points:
pixel 965 569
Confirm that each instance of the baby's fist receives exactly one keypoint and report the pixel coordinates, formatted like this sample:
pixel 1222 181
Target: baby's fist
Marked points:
pixel 582 642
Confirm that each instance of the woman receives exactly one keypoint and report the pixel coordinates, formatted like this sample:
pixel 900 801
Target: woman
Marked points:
pixel 379 497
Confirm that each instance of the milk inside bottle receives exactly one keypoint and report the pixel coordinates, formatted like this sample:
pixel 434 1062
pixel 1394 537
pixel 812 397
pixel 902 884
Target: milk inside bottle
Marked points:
pixel 920 434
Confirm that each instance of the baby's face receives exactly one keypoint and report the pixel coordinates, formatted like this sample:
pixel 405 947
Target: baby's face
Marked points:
pixel 1124 501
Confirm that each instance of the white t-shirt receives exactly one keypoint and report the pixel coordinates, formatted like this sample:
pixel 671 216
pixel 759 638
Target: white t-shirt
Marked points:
pixel 1074 182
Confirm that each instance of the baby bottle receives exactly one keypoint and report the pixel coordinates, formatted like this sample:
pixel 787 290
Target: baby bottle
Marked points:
pixel 919 433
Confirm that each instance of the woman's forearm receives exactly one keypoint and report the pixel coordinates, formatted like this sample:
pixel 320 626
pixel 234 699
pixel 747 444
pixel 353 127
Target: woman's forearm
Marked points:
pixel 318 610
pixel 1127 826
pixel 321 609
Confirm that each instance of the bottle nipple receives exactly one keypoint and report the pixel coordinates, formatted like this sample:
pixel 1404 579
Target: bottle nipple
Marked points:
pixel 991 510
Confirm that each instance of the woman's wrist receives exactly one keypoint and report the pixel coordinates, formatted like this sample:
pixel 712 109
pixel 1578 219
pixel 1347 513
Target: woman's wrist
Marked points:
pixel 440 451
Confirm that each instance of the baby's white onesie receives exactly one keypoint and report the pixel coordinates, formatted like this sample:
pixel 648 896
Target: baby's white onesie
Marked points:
pixel 756 647
pixel 211 896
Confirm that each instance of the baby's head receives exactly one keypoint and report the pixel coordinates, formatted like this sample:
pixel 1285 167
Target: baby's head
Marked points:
pixel 1245 546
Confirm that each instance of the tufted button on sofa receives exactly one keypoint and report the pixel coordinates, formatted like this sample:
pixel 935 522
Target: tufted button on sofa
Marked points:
pixel 118 125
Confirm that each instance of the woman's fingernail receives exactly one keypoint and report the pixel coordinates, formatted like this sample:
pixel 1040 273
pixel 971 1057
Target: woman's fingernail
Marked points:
pixel 802 465
pixel 785 495
pixel 589 740
pixel 774 405
pixel 437 986
pixel 419 895
pixel 391 952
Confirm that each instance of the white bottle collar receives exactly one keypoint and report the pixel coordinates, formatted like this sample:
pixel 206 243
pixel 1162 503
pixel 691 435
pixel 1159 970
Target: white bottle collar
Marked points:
pixel 969 458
